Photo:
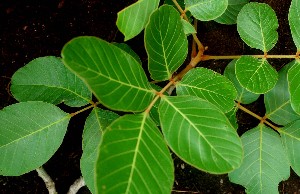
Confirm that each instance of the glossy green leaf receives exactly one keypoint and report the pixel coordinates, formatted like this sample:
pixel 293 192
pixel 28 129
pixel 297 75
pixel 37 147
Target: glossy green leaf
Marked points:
pixel 294 21
pixel 209 85
pixel 243 95
pixel 132 19
pixel 47 79
pixel 200 134
pixel 188 28
pixel 165 43
pixel 95 124
pixel 113 75
pixel 127 49
pixel 30 133
pixel 232 11
pixel 290 136
pixel 256 75
pixel 294 86
pixel 134 158
pixel 277 101
pixel 257 24
pixel 265 163
pixel 206 10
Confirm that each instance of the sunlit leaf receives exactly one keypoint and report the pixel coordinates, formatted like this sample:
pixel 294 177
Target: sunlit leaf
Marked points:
pixel 294 21
pixel 132 20
pixel 165 43
pixel 127 49
pixel 134 158
pixel 30 133
pixel 200 134
pixel 257 24
pixel 265 163
pixel 113 75
pixel 47 79
pixel 294 86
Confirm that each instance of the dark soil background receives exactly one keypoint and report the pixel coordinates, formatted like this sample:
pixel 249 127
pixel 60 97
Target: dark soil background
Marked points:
pixel 35 28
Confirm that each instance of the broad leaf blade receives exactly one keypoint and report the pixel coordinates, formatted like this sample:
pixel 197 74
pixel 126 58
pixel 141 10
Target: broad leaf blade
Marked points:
pixel 94 126
pixel 200 134
pixel 127 49
pixel 165 43
pixel 113 75
pixel 265 163
pixel 209 85
pixel 188 28
pixel 206 10
pixel 134 158
pixel 257 24
pixel 294 21
pixel 294 86
pixel 132 20
pixel 256 75
pixel 30 133
pixel 47 79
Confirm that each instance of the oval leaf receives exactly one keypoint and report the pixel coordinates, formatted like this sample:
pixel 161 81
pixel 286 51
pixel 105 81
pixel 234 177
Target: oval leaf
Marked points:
pixel 200 134
pixel 113 75
pixel 257 24
pixel 256 75
pixel 165 43
pixel 294 21
pixel 31 132
pixel 294 86
pixel 265 163
pixel 47 79
pixel 209 85
pixel 134 158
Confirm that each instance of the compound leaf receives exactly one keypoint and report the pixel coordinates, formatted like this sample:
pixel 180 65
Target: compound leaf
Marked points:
pixel 95 124
pixel 30 133
pixel 265 163
pixel 294 21
pixel 207 84
pixel 165 43
pixel 200 134
pixel 134 158
pixel 256 75
pixel 47 79
pixel 257 24
pixel 294 86
pixel 113 75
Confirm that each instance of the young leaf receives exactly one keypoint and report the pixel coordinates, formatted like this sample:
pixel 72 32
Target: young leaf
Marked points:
pixel 243 95
pixel 257 24
pixel 30 132
pixel 134 158
pixel 132 20
pixel 200 134
pixel 113 75
pixel 294 21
pixel 206 10
pixel 232 11
pixel 290 136
pixel 277 101
pixel 265 163
pixel 209 85
pixel 256 75
pixel 47 79
pixel 95 124
pixel 165 43
pixel 294 86
pixel 127 49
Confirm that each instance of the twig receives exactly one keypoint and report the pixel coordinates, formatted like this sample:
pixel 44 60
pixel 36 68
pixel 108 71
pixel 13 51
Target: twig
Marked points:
pixel 47 179
pixel 74 188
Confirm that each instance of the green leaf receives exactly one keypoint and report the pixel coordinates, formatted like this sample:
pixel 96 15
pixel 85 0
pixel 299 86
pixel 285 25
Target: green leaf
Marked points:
pixel 180 2
pixel 209 85
pixel 265 162
pixel 232 11
pixel 165 43
pixel 231 115
pixel 132 20
pixel 257 24
pixel 294 21
pixel 290 136
pixel 277 101
pixel 127 49
pixel 243 95
pixel 206 10
pixel 95 124
pixel 200 134
pixel 188 28
pixel 134 158
pixel 113 75
pixel 294 86
pixel 47 79
pixel 256 75
pixel 30 133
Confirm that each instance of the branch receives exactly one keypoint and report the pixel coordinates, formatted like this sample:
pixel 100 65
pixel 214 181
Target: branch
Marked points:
pixel 47 179
pixel 78 184
pixel 211 57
